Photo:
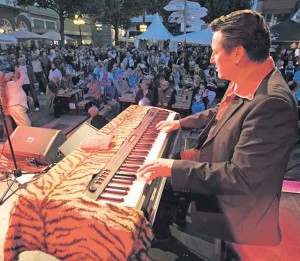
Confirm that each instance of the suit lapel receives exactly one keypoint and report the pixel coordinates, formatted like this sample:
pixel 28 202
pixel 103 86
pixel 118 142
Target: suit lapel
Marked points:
pixel 235 105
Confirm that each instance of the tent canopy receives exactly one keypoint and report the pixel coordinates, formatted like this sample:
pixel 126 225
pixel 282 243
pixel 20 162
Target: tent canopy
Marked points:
pixel 26 35
pixel 6 39
pixel 203 37
pixel 55 36
pixel 155 31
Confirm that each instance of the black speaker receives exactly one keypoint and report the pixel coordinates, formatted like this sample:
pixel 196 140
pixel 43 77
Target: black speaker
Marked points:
pixel 85 130
pixel 40 144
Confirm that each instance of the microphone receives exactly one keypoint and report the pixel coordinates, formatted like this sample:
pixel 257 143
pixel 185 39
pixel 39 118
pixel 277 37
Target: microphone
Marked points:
pixel 49 167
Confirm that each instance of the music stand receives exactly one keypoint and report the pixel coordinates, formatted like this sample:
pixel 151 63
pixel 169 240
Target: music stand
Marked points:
pixel 16 172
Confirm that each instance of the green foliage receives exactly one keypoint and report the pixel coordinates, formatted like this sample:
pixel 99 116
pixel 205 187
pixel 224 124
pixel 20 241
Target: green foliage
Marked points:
pixel 155 6
pixel 217 8
pixel 113 10
pixel 64 8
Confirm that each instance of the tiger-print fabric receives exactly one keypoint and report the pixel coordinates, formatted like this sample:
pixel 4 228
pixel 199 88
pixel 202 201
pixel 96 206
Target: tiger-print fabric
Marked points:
pixel 54 216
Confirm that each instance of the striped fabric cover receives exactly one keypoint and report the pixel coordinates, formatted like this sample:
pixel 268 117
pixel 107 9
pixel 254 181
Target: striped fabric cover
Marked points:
pixel 54 216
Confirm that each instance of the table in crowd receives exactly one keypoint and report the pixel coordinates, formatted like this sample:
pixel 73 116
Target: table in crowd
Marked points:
pixel 73 96
pixel 183 101
pixel 126 100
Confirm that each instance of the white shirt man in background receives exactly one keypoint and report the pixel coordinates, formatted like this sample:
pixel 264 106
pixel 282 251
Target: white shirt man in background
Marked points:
pixel 16 98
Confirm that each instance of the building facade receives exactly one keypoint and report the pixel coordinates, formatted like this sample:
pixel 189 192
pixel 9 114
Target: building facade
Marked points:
pixel 39 20
pixel 13 17
pixel 276 11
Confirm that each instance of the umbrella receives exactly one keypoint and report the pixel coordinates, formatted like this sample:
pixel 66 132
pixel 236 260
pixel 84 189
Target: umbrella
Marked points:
pixel 55 36
pixel 6 39
pixel 26 35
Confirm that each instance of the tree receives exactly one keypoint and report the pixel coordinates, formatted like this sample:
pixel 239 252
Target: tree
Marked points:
pixel 217 8
pixel 115 12
pixel 64 9
pixel 157 6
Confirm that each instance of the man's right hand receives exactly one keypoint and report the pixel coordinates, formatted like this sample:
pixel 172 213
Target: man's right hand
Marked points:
pixel 167 126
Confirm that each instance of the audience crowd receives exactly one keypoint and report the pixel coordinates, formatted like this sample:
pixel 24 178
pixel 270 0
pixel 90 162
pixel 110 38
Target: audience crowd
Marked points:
pixel 154 77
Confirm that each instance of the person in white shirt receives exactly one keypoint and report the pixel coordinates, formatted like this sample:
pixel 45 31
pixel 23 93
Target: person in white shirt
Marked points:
pixel 3 105
pixel 54 71
pixel 39 74
pixel 16 98
pixel 28 84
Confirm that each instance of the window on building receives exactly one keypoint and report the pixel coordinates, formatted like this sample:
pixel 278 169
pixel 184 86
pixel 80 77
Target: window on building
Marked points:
pixel 6 25
pixel 38 24
pixel 50 25
pixel 23 25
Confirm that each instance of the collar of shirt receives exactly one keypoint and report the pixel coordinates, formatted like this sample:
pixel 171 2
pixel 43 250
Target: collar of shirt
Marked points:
pixel 251 81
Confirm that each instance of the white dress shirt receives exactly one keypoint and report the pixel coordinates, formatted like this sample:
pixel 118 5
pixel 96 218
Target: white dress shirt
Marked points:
pixel 14 92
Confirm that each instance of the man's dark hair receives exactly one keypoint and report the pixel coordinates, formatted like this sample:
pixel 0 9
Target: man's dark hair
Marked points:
pixel 246 28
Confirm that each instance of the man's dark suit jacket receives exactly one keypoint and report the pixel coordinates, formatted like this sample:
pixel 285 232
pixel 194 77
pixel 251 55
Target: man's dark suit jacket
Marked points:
pixel 236 184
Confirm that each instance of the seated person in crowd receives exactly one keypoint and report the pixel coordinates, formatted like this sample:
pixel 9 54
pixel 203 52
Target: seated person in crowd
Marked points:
pixel 97 121
pixel 212 101
pixel 144 92
pixel 166 95
pixel 201 90
pixel 211 79
pixel 131 79
pixel 106 75
pixel 115 70
pixel 182 70
pixel 289 71
pixel 93 86
pixel 296 77
pixel 112 98
pixel 121 85
pixel 55 102
pixel 198 105
pixel 176 77
pixel 68 68
pixel 66 82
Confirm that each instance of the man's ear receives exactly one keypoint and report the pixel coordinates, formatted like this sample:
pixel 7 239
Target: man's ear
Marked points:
pixel 239 53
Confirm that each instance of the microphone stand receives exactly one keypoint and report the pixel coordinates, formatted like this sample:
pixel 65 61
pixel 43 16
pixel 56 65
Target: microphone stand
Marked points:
pixel 16 172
